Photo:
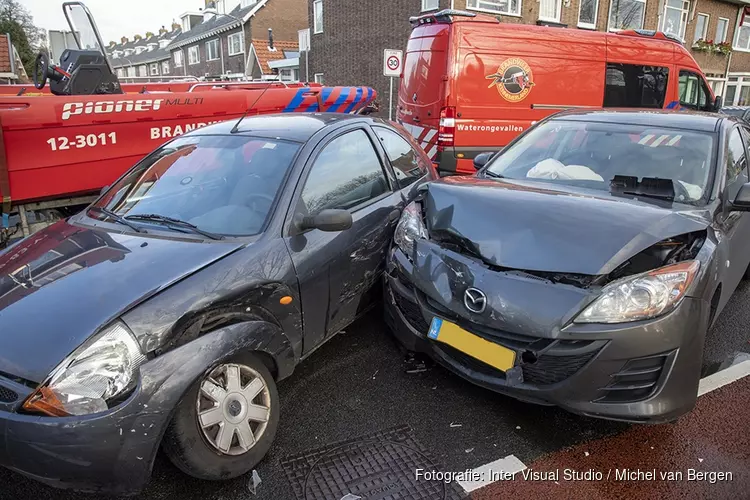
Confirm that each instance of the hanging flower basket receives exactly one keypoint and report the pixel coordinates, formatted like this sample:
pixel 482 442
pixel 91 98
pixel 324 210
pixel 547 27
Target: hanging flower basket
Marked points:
pixel 724 47
pixel 703 45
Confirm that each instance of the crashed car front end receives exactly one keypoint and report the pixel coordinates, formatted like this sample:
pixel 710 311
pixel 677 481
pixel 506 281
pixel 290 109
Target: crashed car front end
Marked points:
pixel 553 336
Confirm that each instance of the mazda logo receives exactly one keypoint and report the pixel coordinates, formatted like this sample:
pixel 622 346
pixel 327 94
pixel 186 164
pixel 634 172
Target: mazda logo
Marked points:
pixel 475 300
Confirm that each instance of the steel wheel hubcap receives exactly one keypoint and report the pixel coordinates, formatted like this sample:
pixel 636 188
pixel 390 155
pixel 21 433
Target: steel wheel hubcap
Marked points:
pixel 234 405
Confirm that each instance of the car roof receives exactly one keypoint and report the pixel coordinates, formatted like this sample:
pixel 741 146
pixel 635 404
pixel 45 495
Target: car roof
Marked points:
pixel 704 122
pixel 297 127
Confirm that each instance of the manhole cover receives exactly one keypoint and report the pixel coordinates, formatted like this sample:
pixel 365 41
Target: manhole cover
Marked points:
pixel 378 466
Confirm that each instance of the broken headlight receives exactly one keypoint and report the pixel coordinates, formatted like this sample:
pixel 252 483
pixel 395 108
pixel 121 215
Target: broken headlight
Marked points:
pixel 643 296
pixel 410 228
pixel 95 374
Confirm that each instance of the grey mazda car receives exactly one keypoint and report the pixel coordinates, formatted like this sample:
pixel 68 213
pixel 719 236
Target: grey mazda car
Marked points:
pixel 583 265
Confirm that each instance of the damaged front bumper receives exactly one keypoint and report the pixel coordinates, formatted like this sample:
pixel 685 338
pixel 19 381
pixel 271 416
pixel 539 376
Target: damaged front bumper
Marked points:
pixel 646 371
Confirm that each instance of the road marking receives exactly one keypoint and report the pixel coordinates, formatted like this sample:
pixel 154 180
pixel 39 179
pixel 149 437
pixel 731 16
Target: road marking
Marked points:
pixel 488 472
pixel 512 465
pixel 724 377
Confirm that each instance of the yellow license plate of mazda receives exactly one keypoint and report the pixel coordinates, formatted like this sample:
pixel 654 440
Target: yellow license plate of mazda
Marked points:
pixel 485 351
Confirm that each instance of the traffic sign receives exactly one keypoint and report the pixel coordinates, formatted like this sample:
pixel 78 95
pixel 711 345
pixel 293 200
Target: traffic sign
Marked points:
pixel 393 61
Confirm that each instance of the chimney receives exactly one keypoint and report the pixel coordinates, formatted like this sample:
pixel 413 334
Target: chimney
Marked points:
pixel 124 40
pixel 210 11
pixel 112 43
pixel 162 31
pixel 270 40
pixel 149 34
pixel 176 26
pixel 137 38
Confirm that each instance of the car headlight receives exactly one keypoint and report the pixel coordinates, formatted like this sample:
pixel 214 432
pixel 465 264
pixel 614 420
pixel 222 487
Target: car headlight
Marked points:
pixel 643 296
pixel 98 372
pixel 410 228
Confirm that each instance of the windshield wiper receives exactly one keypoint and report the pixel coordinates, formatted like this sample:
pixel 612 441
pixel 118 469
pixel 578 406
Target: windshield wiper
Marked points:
pixel 117 218
pixel 169 221
pixel 490 173
pixel 667 197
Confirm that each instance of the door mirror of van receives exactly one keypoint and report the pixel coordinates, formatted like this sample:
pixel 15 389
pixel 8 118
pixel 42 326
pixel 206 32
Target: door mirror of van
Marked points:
pixel 481 159
pixel 717 103
pixel 329 220
pixel 741 202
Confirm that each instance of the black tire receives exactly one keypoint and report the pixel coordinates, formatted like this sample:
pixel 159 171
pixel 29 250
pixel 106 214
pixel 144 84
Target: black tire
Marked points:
pixel 187 448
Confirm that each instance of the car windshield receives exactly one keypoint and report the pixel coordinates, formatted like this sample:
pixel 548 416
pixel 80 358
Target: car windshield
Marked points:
pixel 222 184
pixel 593 155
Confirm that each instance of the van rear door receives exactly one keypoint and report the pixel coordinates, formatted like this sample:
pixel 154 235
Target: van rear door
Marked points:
pixel 422 91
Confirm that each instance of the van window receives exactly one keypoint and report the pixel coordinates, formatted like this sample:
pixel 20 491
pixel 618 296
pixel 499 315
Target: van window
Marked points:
pixel 693 92
pixel 634 86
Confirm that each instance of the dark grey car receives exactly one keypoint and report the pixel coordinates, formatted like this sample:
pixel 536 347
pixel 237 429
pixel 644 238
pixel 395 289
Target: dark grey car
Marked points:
pixel 584 264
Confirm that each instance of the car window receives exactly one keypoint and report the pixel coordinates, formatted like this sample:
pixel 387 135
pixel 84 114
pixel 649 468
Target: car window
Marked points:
pixel 693 91
pixel 346 173
pixel 593 154
pixel 222 184
pixel 736 174
pixel 403 157
pixel 635 86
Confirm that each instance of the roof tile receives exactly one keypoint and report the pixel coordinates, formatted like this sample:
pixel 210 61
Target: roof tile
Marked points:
pixel 266 55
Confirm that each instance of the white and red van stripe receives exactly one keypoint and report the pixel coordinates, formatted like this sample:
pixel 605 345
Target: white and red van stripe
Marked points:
pixel 425 136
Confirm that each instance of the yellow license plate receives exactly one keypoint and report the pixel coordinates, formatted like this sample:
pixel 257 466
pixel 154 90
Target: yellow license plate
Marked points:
pixel 490 353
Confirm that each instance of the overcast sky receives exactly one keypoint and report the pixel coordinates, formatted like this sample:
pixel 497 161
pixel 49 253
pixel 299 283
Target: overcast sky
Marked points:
pixel 116 18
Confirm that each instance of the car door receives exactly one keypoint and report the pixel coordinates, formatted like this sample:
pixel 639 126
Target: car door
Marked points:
pixel 693 91
pixel 338 271
pixel 735 225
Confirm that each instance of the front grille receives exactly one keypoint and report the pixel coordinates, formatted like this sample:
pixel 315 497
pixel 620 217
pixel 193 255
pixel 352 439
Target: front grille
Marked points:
pixel 636 381
pixel 554 369
pixel 411 312
pixel 6 395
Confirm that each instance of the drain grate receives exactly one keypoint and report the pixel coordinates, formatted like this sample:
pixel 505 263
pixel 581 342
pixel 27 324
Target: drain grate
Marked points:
pixel 378 466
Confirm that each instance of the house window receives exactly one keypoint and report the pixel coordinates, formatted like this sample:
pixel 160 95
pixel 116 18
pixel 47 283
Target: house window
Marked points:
pixel 142 70
pixel 194 55
pixel 430 5
pixel 212 50
pixel 549 10
pixel 154 69
pixel 288 75
pixel 721 30
pixel 131 71
pixel 511 7
pixel 701 27
pixel 318 78
pixel 589 10
pixel 626 14
pixel 120 72
pixel 165 67
pixel 742 34
pixel 178 59
pixel 248 3
pixel 675 17
pixel 186 24
pixel 318 16
pixel 234 41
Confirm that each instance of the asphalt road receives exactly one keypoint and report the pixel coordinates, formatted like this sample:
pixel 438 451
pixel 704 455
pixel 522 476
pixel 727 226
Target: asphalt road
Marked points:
pixel 358 383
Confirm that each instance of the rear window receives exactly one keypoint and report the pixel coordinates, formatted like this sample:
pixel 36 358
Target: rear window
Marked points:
pixel 634 86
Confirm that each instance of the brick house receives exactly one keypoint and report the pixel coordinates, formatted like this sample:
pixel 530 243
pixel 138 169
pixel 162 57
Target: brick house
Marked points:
pixel 346 40
pixel 144 56
pixel 11 68
pixel 212 43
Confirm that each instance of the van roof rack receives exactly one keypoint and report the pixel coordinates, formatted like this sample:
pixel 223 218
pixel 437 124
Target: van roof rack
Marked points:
pixel 444 16
pixel 658 35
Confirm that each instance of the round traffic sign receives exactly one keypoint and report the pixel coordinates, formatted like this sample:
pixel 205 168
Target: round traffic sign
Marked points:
pixel 393 63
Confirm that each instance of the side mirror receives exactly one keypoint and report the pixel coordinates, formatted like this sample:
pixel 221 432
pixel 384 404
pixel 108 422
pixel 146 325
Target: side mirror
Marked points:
pixel 741 203
pixel 327 220
pixel 104 190
pixel 717 103
pixel 481 159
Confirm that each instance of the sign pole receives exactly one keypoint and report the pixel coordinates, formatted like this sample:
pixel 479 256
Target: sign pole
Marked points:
pixel 390 104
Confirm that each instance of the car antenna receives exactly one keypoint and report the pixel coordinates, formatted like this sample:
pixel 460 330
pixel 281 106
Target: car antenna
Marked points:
pixel 235 129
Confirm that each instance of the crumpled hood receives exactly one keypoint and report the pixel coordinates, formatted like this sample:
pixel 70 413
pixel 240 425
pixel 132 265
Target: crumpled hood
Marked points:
pixel 543 227
pixel 62 284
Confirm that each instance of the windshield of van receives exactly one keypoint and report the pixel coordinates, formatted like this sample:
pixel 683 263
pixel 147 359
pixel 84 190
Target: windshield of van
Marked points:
pixel 593 155
pixel 222 184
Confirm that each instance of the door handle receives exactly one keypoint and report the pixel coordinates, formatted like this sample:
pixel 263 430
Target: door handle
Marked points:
pixel 393 216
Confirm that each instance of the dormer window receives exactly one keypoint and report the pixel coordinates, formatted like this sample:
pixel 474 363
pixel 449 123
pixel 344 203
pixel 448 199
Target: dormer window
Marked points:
pixel 128 52
pixel 248 3
pixel 152 46
pixel 163 44
pixel 186 23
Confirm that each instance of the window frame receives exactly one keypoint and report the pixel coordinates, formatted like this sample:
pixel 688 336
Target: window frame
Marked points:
pixel 318 28
pixel 309 164
pixel 684 14
pixel 726 29
pixel 704 35
pixel 495 12
pixel 558 11
pixel 129 75
pixel 165 69
pixel 702 85
pixel 230 38
pixel 609 16
pixel 737 29
pixel 142 70
pixel 426 8
pixel 197 53
pixel 596 16
pixel 153 69
pixel 318 80
pixel 420 159
pixel 178 61
pixel 215 43
pixel 724 178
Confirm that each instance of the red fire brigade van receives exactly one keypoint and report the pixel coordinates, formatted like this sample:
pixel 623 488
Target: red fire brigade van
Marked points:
pixel 471 83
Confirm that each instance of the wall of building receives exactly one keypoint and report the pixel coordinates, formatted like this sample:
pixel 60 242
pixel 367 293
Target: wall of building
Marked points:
pixel 285 17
